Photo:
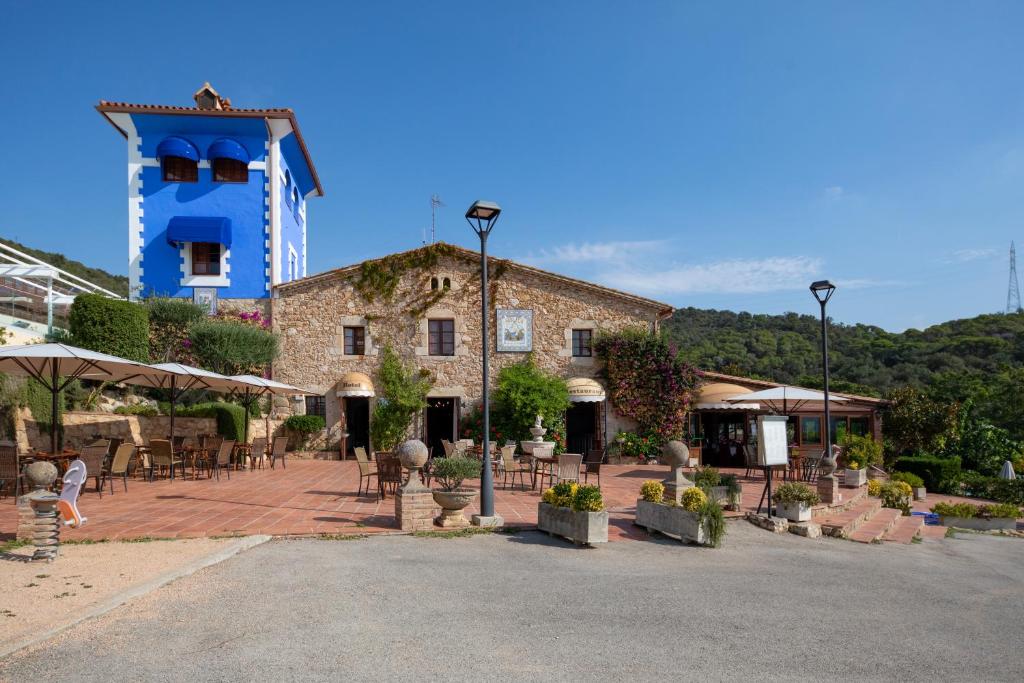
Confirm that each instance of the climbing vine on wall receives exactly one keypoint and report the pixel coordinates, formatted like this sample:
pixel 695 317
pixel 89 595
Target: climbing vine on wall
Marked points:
pixel 647 381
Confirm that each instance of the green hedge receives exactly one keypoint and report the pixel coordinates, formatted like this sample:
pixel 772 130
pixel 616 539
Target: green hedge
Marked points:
pixel 1001 490
pixel 941 475
pixel 230 417
pixel 304 424
pixel 119 328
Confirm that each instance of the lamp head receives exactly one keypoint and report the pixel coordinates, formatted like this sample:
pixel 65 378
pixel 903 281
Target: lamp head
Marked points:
pixel 822 291
pixel 482 215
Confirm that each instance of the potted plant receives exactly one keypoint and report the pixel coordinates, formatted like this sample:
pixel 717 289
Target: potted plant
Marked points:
pixel 916 483
pixel 793 500
pixel 723 489
pixel 574 512
pixel 896 495
pixel 854 475
pixel 859 453
pixel 1000 516
pixel 696 519
pixel 452 496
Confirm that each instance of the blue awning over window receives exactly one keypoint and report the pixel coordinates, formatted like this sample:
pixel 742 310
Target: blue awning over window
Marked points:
pixel 226 148
pixel 177 147
pixel 199 229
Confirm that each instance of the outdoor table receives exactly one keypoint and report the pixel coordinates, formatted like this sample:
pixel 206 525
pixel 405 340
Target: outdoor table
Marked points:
pixel 548 461
pixel 240 452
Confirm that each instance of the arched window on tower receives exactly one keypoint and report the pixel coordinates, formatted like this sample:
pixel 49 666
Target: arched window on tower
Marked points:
pixel 179 160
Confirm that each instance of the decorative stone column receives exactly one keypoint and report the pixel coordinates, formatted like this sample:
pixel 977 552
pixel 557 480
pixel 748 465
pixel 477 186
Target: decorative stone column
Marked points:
pixel 414 502
pixel 37 511
pixel 828 485
pixel 677 455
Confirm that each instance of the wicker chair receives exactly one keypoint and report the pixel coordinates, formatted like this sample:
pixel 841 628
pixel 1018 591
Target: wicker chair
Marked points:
pixel 222 460
pixel 569 467
pixel 592 465
pixel 389 474
pixel 279 449
pixel 511 468
pixel 367 469
pixel 162 457
pixel 750 459
pixel 258 452
pixel 119 466
pixel 93 457
pixel 449 448
pixel 11 477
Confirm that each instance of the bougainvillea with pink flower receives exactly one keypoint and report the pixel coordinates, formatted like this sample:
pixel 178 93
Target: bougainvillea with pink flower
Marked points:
pixel 647 381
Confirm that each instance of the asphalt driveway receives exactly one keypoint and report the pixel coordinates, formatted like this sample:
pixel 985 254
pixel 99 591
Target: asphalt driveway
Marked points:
pixel 523 606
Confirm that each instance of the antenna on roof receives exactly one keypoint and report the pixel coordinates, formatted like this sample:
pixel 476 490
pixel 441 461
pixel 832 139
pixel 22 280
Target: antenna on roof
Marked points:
pixel 435 203
pixel 1013 291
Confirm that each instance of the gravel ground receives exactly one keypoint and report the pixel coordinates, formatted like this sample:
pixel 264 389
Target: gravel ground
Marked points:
pixel 523 606
pixel 36 597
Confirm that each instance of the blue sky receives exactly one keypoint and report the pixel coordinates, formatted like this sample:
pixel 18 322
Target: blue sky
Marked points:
pixel 706 154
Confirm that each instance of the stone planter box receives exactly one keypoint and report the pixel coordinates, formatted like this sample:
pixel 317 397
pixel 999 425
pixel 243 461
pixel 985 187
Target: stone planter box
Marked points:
pixel 794 512
pixel 980 523
pixel 579 527
pixel 920 492
pixel 672 521
pixel 720 494
pixel 855 478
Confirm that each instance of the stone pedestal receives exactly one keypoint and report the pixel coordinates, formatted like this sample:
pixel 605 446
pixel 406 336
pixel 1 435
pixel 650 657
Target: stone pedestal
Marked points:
pixel 492 521
pixel 828 490
pixel 415 510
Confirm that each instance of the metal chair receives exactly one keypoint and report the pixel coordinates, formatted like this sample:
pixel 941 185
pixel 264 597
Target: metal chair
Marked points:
pixel 258 450
pixel 223 459
pixel 11 476
pixel 367 469
pixel 511 467
pixel 119 466
pixel 749 459
pixel 161 456
pixel 389 474
pixel 278 450
pixel 592 465
pixel 93 457
pixel 569 467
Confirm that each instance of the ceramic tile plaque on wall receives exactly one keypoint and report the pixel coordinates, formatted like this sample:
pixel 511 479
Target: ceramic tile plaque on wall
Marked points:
pixel 515 330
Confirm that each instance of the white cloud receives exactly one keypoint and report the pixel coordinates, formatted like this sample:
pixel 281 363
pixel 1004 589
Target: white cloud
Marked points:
pixel 834 192
pixel 736 276
pixel 967 255
pixel 594 252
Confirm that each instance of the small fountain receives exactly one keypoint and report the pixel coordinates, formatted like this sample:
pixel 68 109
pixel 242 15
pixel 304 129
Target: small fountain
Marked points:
pixel 538 431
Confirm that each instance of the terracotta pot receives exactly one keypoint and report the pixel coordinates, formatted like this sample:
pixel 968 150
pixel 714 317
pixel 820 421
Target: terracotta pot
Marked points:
pixel 452 504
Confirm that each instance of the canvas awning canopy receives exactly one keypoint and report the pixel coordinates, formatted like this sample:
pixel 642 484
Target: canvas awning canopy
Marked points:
pixel 784 400
pixel 713 397
pixel 226 148
pixel 210 229
pixel 355 384
pixel 255 388
pixel 177 147
pixel 585 390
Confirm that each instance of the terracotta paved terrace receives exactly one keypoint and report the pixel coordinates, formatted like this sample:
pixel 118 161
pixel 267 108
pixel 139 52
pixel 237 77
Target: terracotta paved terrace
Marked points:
pixel 312 497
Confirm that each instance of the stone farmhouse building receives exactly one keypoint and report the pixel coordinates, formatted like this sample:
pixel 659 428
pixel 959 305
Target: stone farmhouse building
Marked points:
pixel 425 304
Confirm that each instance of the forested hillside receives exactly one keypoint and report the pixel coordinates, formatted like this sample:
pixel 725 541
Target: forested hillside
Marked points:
pixel 786 348
pixel 118 284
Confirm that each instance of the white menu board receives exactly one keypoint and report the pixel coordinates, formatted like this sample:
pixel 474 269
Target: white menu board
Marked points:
pixel 772 442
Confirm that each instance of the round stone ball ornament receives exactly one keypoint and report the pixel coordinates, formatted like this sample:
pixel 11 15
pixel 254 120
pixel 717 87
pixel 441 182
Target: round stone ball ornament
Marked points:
pixel 413 455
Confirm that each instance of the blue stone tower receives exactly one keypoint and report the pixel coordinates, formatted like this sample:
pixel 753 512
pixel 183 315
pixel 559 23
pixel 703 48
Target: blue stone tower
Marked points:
pixel 216 197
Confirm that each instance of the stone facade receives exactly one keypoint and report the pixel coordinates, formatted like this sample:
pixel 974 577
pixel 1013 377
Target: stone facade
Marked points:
pixel 311 315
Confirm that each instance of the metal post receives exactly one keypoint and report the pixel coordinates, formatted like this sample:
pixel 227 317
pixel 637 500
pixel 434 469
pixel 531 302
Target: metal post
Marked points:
pixel 49 307
pixel 824 360
pixel 174 400
pixel 55 391
pixel 486 477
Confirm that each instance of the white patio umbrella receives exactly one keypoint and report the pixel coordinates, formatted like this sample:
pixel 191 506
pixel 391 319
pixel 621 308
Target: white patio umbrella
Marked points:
pixel 56 365
pixel 178 378
pixel 1007 471
pixel 258 387
pixel 777 398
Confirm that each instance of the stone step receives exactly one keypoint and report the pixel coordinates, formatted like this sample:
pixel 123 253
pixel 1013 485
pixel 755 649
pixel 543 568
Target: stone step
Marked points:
pixel 876 526
pixel 842 524
pixel 905 530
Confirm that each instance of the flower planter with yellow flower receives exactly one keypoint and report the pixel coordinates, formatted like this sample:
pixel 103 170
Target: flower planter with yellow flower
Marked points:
pixel 696 519
pixel 574 512
pixel 793 500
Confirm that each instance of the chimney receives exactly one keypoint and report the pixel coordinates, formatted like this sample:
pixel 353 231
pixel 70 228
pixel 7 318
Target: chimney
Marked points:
pixel 208 98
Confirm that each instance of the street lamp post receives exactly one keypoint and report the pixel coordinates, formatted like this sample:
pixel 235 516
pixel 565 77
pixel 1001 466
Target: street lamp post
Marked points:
pixel 481 216
pixel 822 291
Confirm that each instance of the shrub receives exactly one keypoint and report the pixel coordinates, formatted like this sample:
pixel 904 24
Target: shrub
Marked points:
pixel 562 494
pixel 896 495
pixel 939 474
pixel 706 477
pixel 874 487
pixel 588 499
pixel 232 348
pixel 112 326
pixel 693 499
pixel 652 491
pixel 915 481
pixel 860 452
pixel 170 320
pixel 966 510
pixel 731 484
pixel 230 417
pixel 137 409
pixel 451 472
pixel 999 511
pixel 523 392
pixel 404 392
pixel 710 513
pixel 303 426
pixel 994 488
pixel 634 445
pixel 796 492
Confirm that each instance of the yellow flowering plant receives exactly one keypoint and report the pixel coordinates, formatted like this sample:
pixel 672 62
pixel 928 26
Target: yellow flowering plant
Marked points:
pixel 874 487
pixel 652 491
pixel 693 499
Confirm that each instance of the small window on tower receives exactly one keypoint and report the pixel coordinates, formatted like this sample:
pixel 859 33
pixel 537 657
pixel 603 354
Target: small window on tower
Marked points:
pixel 230 171
pixel 180 170
pixel 205 258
